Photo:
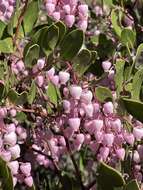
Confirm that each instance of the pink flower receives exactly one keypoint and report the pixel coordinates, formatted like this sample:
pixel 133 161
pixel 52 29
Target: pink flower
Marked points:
pixel 75 91
pixel 25 168
pixel 64 77
pixel 120 153
pixel 69 20
pixel 28 181
pixel 14 166
pixel 10 138
pixel 74 123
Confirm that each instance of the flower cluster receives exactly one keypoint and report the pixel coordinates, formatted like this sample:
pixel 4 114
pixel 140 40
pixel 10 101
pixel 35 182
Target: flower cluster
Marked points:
pixel 6 9
pixel 70 12
pixel 12 136
pixel 84 121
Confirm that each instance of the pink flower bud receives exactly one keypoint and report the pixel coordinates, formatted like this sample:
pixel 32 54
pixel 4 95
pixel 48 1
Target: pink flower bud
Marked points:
pixel 55 80
pixel 69 20
pixel 138 133
pixel 98 136
pixel 50 7
pixel 104 152
pixel 67 9
pixel 120 153
pixel 82 25
pixel 75 91
pixel 40 64
pixel 20 65
pixel 74 123
pixel 64 77
pixel 10 138
pixel 86 96
pixel 5 155
pixel 108 139
pixel 129 138
pixel 116 125
pixel 79 138
pixel 106 65
pixel 89 109
pixel 136 157
pixel 14 166
pixel 40 159
pixel 56 16
pixel 97 125
pixel 87 139
pixel 96 107
pixel 40 81
pixel 11 127
pixel 66 106
pixel 28 181
pixel 108 108
pixel 25 168
pixel 83 10
pixel 15 151
pixel 13 112
pixel 50 73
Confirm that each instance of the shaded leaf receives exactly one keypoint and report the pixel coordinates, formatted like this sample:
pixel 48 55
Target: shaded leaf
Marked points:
pixel 132 185
pixel 32 93
pixel 71 44
pixel 6 45
pixel 103 94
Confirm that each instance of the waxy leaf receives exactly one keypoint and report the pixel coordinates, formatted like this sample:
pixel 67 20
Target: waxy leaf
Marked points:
pixel 108 177
pixel 17 98
pixel 103 94
pixel 49 39
pixel 31 54
pixel 62 30
pixel 82 62
pixel 30 16
pixel 132 185
pixel 115 22
pixel 2 27
pixel 71 44
pixel 139 56
pixel 119 76
pixel 32 93
pixel 128 37
pixel 134 107
pixel 52 94
pixel 136 85
pixel 6 45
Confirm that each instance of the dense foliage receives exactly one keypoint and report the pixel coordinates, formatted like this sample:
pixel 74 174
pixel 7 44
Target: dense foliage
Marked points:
pixel 71 95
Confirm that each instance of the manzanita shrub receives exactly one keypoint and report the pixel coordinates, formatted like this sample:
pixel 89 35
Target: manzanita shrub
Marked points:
pixel 71 95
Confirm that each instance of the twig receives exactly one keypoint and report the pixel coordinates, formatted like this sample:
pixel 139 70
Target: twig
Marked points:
pixel 20 19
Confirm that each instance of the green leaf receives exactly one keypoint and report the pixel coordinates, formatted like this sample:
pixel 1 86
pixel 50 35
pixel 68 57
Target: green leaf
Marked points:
pixel 82 62
pixel 108 177
pixel 71 44
pixel 32 93
pixel 132 185
pixel 5 174
pixel 6 45
pixel 119 76
pixel 136 85
pixel 52 94
pixel 2 27
pixel 103 94
pixel 115 21
pixel 62 30
pixel 134 107
pixel 31 54
pixel 128 37
pixel 49 39
pixel 30 16
pixel 16 98
pixel 139 56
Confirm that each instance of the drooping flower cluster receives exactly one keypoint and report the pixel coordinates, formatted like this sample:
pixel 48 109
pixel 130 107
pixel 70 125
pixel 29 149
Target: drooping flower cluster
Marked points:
pixel 6 9
pixel 12 136
pixel 84 121
pixel 70 11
